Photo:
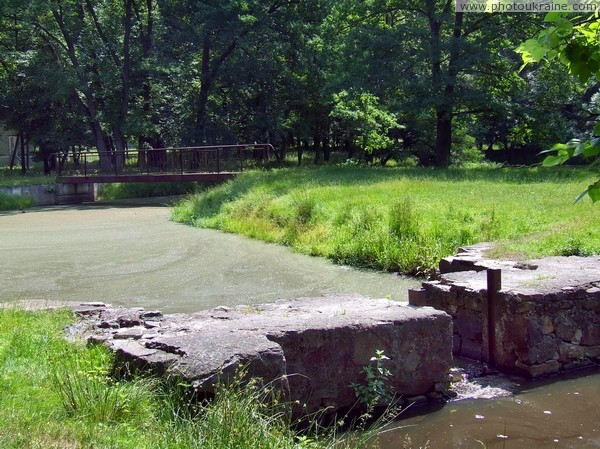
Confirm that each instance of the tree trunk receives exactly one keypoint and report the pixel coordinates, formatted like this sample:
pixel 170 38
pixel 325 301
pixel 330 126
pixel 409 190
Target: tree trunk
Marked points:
pixel 89 105
pixel 147 49
pixel 205 82
pixel 445 108
pixel 443 137
pixel 317 144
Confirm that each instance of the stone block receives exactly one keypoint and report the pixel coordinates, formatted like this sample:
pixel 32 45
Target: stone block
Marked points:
pixel 468 325
pixel 569 352
pixel 539 370
pixel 313 348
pixel 591 335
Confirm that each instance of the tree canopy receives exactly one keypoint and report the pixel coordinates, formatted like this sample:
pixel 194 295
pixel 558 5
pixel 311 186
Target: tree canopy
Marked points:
pixel 574 41
pixel 389 79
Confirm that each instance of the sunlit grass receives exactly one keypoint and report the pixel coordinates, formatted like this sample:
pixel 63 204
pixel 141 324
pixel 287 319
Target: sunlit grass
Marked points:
pixel 404 219
pixel 62 395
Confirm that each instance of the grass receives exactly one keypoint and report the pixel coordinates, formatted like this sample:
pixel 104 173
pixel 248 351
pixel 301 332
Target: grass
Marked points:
pixel 15 202
pixel 401 219
pixel 56 394
pixel 14 177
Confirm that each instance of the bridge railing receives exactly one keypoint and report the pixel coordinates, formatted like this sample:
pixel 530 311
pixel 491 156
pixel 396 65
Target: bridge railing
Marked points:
pixel 205 159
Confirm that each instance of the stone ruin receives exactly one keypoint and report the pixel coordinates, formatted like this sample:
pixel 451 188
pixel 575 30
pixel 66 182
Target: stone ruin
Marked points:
pixel 313 348
pixel 543 319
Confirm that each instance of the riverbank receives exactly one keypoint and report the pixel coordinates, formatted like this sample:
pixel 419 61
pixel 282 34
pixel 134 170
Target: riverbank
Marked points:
pixel 56 394
pixel 404 220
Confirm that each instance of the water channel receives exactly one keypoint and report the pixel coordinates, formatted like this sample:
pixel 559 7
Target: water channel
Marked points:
pixel 130 254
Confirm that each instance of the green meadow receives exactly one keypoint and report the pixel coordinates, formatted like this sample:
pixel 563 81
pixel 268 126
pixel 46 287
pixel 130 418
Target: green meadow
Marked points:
pixel 404 219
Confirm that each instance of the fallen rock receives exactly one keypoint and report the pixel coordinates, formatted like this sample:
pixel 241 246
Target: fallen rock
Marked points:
pixel 314 348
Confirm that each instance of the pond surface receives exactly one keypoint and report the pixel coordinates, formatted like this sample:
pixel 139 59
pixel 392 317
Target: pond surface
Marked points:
pixel 556 413
pixel 130 254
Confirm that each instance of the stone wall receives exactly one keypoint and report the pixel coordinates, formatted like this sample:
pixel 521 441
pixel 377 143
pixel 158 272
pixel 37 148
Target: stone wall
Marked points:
pixel 316 347
pixel 544 320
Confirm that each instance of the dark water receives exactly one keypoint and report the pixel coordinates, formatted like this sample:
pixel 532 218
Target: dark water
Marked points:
pixel 561 413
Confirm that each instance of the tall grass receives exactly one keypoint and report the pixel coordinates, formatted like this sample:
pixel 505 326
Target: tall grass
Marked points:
pixel 118 191
pixel 403 219
pixel 56 394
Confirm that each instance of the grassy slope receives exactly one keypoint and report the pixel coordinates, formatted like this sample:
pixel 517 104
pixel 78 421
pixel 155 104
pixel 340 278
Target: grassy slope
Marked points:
pixel 403 219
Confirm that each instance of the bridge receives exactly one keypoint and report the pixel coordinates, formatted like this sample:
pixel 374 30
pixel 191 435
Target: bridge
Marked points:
pixel 78 172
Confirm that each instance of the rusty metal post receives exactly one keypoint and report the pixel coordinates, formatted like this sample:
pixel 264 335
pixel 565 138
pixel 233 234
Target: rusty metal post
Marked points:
pixel 494 285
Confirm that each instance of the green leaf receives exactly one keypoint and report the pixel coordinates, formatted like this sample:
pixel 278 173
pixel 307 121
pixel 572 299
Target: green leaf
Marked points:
pixel 553 17
pixel 580 149
pixel 551 161
pixel 594 191
pixel 532 51
pixel 597 129
pixel 591 150
pixel 564 28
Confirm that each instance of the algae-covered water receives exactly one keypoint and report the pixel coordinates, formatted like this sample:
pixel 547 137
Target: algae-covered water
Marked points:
pixel 130 254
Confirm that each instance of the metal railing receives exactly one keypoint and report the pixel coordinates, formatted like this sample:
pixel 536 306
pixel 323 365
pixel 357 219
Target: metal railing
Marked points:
pixel 149 161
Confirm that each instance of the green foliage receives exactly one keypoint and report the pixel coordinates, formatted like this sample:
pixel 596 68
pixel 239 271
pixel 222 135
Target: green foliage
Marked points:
pixel 15 202
pixel 376 390
pixel 116 191
pixel 573 148
pixel 11 178
pixel 364 118
pixel 575 41
pixel 571 40
pixel 87 391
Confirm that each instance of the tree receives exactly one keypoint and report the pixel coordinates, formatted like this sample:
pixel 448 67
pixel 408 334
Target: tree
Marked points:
pixel 576 43
pixel 432 65
pixel 368 125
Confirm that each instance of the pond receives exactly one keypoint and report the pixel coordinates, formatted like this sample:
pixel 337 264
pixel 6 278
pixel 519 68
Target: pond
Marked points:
pixel 554 413
pixel 130 254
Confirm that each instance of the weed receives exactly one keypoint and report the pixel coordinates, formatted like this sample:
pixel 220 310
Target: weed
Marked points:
pixel 376 390
pixel 55 394
pixel 404 220
pixel 15 202
pixel 573 246
pixel 87 391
